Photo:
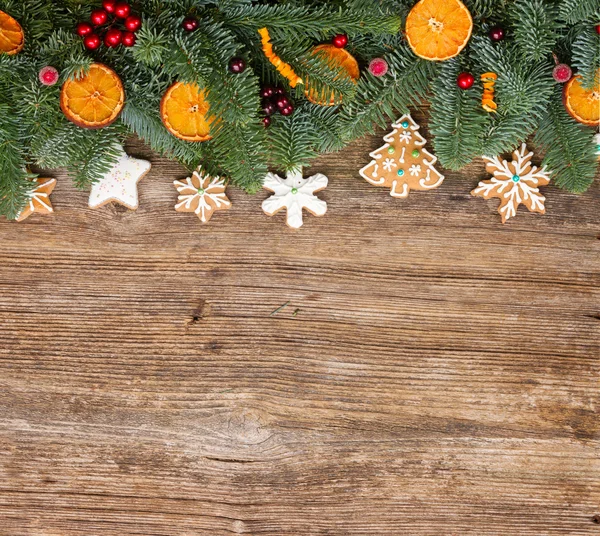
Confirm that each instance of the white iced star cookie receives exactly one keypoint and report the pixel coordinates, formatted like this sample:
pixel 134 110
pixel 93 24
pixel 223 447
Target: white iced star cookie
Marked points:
pixel 119 185
pixel 294 194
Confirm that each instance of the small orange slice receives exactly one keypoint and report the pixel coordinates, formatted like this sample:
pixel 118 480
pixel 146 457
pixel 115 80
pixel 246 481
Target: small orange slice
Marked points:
pixel 12 37
pixel 339 57
pixel 184 111
pixel 438 30
pixel 583 104
pixel 94 101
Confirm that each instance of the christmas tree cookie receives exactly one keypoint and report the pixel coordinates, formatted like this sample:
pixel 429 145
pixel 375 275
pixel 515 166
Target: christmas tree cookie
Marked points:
pixel 403 164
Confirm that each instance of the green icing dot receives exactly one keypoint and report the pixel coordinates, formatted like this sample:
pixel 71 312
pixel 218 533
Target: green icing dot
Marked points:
pixel 391 150
pixel 200 191
pixel 400 172
pixel 294 191
pixel 516 178
pixel 415 153
pixel 405 124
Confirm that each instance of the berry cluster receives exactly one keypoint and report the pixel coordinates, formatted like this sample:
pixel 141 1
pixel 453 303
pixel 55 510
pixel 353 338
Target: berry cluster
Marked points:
pixel 275 100
pixel 113 23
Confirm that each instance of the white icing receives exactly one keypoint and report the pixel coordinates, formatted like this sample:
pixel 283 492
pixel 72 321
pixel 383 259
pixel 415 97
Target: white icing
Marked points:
pixel 415 170
pixel 512 193
pixel 295 193
pixel 213 190
pixel 402 155
pixel 389 164
pixel 120 183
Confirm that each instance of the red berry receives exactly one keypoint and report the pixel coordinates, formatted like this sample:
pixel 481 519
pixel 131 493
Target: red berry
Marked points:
pixel 84 28
pixel 378 67
pixel 282 102
pixel 497 33
pixel 190 24
pixel 133 23
pixel 237 65
pixel 122 10
pixel 268 107
pixel 279 91
pixel 562 73
pixel 109 5
pixel 267 92
pixel 266 121
pixel 92 41
pixel 99 17
pixel 113 38
pixel 48 76
pixel 128 39
pixel 465 80
pixel 288 110
pixel 340 40
pixel 598 28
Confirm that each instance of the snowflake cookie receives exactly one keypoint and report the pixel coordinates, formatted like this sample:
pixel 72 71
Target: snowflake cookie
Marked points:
pixel 201 194
pixel 294 194
pixel 515 183
pixel 39 199
pixel 119 185
pixel 402 164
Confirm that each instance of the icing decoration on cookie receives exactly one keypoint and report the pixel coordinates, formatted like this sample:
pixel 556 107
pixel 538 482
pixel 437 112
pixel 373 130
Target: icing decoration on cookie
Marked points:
pixel 402 164
pixel 515 183
pixel 39 199
pixel 201 194
pixel 119 185
pixel 294 194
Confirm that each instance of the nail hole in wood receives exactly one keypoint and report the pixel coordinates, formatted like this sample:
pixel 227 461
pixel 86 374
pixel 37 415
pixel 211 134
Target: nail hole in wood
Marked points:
pixel 596 519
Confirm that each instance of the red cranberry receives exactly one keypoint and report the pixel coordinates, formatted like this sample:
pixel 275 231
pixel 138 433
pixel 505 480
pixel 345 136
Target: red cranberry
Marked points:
pixel 113 38
pixel 340 40
pixel 268 107
pixel 288 110
pixel 237 65
pixel 122 10
pixel 282 102
pixel 109 5
pixel 84 28
pixel 266 121
pixel 99 17
pixel 465 80
pixel 133 23
pixel 267 92
pixel 92 41
pixel 128 39
pixel 497 33
pixel 190 24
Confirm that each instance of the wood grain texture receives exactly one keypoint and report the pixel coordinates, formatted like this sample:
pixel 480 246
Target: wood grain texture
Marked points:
pixel 435 373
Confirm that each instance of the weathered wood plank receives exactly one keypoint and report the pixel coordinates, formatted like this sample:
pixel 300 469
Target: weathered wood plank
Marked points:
pixel 433 372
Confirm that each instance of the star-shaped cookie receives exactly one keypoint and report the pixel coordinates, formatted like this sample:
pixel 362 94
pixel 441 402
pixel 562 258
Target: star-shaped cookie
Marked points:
pixel 39 199
pixel 293 194
pixel 119 185
pixel 201 194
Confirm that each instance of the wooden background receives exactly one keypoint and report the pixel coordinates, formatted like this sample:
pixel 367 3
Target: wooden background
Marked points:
pixel 433 373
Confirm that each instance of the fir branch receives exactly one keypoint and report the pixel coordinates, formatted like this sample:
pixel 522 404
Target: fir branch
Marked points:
pixel 535 28
pixel 458 122
pixel 574 11
pixel 586 56
pixel 569 147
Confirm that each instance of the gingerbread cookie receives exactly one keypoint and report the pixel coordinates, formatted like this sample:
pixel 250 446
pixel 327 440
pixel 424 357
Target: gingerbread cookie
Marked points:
pixel 402 164
pixel 201 194
pixel 515 183
pixel 119 185
pixel 294 194
pixel 39 199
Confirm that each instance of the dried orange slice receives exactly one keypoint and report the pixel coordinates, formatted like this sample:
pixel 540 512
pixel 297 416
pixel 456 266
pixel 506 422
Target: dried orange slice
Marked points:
pixel 12 37
pixel 583 104
pixel 438 29
pixel 339 57
pixel 184 110
pixel 95 100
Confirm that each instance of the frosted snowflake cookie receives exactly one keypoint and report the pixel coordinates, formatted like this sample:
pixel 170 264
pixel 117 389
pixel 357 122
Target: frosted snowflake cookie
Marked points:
pixel 294 194
pixel 119 185
pixel 402 164
pixel 515 183
pixel 201 194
